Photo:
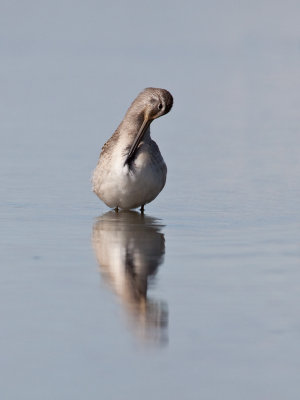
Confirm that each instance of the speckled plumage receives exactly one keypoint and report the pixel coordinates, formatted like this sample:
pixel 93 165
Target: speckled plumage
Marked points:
pixel 131 171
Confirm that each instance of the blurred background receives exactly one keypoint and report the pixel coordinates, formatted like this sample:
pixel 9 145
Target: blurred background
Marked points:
pixel 219 247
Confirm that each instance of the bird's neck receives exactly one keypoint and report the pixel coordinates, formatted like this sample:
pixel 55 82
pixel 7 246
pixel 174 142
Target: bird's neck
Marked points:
pixel 130 126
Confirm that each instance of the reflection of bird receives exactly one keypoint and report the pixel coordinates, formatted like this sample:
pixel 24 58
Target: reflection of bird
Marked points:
pixel 131 171
pixel 129 248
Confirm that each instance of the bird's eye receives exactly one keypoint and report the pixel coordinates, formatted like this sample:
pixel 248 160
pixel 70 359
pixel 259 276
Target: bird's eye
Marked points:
pixel 160 106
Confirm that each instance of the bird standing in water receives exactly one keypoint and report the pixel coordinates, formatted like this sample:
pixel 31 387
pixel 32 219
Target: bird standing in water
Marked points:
pixel 131 171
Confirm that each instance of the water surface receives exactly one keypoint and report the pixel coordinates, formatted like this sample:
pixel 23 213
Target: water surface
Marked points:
pixel 198 298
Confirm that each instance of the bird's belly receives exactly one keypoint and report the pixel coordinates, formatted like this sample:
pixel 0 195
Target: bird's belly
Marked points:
pixel 130 187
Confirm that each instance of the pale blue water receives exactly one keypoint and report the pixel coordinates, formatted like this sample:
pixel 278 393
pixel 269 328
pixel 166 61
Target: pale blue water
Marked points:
pixel 198 299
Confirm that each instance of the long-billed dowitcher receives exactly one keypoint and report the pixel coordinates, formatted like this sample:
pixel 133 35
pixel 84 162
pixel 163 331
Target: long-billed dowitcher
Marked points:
pixel 131 171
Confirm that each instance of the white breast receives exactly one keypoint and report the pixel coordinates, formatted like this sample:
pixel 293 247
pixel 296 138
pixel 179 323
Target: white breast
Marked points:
pixel 119 185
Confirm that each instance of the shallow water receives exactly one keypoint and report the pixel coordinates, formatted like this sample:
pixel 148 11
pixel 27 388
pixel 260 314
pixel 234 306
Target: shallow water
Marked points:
pixel 198 298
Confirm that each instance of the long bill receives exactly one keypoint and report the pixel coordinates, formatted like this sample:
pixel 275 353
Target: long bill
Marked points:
pixel 145 125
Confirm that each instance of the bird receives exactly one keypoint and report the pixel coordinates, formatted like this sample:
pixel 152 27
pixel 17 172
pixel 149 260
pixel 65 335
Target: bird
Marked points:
pixel 131 171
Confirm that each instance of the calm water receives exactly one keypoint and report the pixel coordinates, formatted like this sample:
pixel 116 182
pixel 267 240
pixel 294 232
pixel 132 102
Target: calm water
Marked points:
pixel 199 298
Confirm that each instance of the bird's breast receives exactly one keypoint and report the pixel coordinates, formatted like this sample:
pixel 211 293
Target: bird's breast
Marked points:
pixel 130 185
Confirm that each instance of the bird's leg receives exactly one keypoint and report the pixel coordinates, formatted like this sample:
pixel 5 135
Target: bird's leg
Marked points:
pixel 117 209
pixel 142 209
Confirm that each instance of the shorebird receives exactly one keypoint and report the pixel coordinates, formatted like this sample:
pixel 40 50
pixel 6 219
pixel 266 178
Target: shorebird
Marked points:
pixel 131 172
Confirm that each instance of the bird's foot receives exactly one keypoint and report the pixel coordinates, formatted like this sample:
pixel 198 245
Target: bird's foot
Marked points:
pixel 142 209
